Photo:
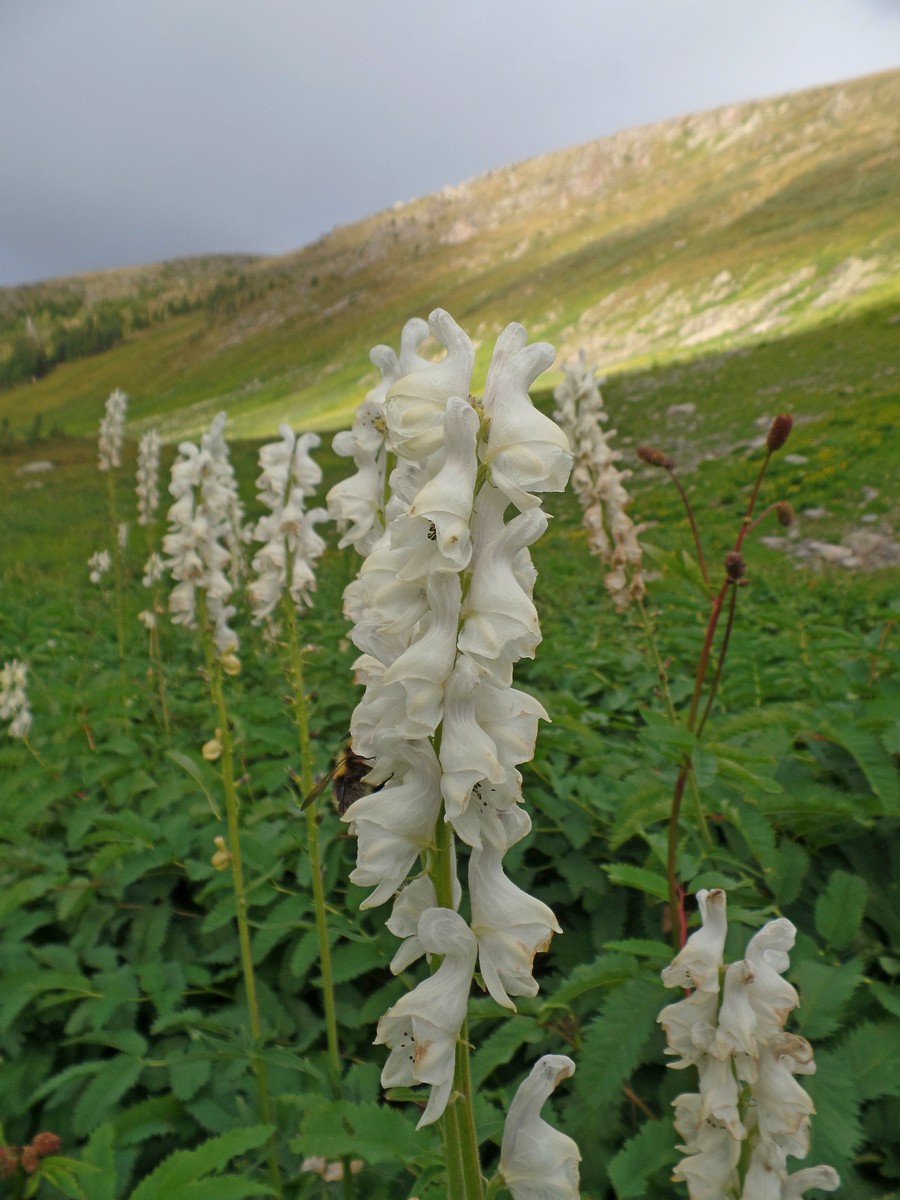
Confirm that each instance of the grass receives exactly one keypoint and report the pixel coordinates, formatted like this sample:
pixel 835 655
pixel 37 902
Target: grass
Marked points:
pixel 118 927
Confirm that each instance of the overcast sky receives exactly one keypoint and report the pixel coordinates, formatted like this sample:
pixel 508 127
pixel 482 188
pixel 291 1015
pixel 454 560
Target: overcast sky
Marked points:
pixel 137 130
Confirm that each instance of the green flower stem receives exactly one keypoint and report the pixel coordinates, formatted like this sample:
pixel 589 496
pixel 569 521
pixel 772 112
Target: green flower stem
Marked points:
pixel 214 670
pixel 154 641
pixel 460 1135
pixel 301 716
pixel 118 567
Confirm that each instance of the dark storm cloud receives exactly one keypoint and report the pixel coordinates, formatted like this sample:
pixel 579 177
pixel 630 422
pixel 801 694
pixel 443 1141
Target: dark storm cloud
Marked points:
pixel 134 132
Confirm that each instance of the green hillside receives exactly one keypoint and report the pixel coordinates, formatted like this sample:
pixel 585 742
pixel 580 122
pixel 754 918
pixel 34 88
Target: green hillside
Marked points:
pixel 697 234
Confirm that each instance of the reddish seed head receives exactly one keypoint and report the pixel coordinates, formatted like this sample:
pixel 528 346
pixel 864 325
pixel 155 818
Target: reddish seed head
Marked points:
pixel 734 566
pixel 46 1143
pixel 656 458
pixel 785 513
pixel 779 431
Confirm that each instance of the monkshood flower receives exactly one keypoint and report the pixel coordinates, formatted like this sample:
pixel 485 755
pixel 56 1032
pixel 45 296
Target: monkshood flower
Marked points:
pixel 750 1113
pixel 112 431
pixel 148 477
pixel 442 611
pixel 290 542
pixel 200 522
pixel 538 1162
pixel 422 1027
pixel 99 564
pixel 14 698
pixel 598 482
pixel 357 504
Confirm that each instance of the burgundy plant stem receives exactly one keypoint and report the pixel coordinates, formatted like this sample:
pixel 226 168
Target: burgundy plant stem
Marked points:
pixel 678 930
pixel 694 530
pixel 723 650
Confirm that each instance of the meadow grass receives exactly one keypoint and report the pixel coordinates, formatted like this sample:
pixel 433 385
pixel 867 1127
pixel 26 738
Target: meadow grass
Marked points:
pixel 122 1017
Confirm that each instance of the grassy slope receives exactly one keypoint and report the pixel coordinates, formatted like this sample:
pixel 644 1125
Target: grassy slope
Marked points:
pixel 705 232
pixel 841 382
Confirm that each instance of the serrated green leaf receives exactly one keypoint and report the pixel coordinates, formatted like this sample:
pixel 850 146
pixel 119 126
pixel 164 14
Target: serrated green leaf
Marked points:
pixel 638 877
pixel 836 1132
pixel 642 948
pixel 887 997
pixel 824 990
pixel 502 1044
pixel 650 1149
pixel 188 1075
pixel 873 1050
pixel 839 910
pixel 104 1091
pixel 614 1043
pixel 187 1166
pixel 372 1132
pixel 873 760
pixel 224 1187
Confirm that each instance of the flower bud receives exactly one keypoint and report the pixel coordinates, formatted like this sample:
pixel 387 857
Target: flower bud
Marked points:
pixel 735 566
pixel 212 750
pixel 784 510
pixel 46 1143
pixel 656 458
pixel 221 860
pixel 779 431
pixel 231 664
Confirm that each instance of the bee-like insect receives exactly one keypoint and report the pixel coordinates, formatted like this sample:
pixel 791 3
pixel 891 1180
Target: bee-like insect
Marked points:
pixel 347 778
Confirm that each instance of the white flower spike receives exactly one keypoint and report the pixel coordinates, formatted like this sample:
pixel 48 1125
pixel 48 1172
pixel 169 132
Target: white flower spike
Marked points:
pixel 750 1113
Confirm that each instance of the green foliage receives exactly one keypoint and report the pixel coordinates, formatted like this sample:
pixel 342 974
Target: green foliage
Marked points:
pixel 122 1013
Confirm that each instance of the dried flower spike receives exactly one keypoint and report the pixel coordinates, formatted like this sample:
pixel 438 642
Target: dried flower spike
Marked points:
pixel 779 432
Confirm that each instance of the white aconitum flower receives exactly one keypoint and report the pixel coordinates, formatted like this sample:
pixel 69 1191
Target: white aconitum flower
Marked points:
pixel 290 542
pixel 538 1162
pixel 526 452
pixel 422 1028
pixel 409 904
pixel 740 1042
pixel 99 564
pixel 154 569
pixel 112 431
pixel 200 521
pixel 148 477
pixel 797 1184
pixel 511 927
pixel 357 504
pixel 697 964
pixel 396 824
pixel 14 698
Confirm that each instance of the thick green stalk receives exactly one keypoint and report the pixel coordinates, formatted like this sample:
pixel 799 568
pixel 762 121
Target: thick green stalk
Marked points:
pixel 214 669
pixel 301 716
pixel 460 1112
